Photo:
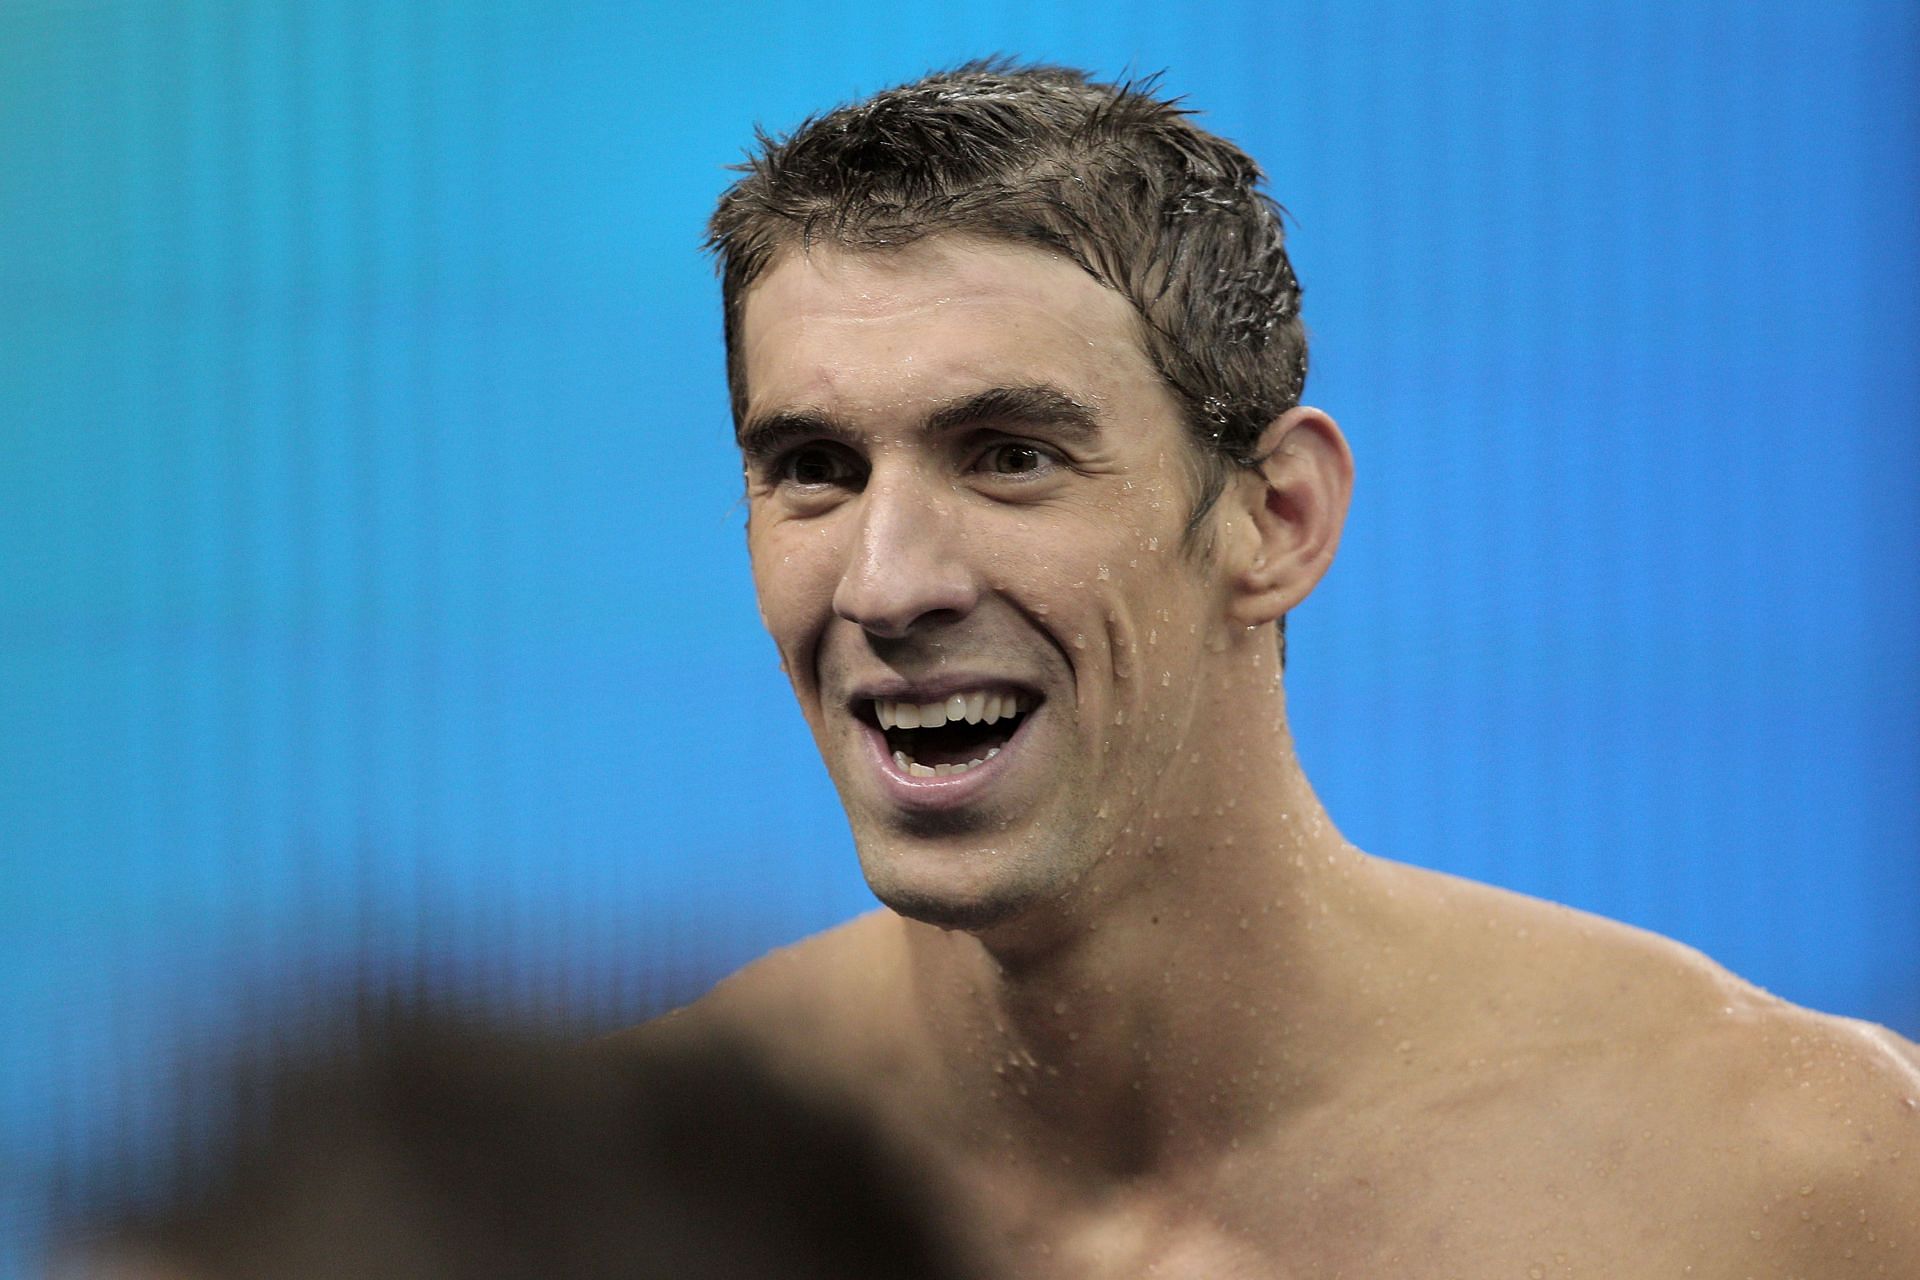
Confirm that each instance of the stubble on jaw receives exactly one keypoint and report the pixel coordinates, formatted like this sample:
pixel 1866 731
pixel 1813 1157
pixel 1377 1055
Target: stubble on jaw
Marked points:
pixel 1010 881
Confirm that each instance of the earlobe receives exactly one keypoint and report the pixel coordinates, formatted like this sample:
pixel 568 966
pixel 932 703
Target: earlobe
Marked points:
pixel 1294 504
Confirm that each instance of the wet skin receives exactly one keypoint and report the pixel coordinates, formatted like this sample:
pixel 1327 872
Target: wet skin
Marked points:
pixel 1137 1005
pixel 963 473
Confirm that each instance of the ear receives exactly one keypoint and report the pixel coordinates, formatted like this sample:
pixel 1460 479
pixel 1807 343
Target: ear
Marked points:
pixel 1288 513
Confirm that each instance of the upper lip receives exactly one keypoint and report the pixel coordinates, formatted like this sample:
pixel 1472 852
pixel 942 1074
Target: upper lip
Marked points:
pixel 933 689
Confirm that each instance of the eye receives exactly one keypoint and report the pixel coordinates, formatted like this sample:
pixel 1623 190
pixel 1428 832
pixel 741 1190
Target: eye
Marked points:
pixel 1017 458
pixel 814 465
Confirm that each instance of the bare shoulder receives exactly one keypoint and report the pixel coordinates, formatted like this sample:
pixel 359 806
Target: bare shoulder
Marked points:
pixel 814 1009
pixel 1820 1116
pixel 1729 1105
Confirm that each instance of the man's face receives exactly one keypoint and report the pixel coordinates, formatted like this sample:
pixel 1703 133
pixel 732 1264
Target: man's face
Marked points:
pixel 967 488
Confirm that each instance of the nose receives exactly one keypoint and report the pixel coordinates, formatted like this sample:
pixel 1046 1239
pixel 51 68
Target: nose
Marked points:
pixel 907 564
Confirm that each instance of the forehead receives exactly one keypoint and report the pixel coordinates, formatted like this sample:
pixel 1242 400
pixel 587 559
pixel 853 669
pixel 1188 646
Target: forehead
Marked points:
pixel 879 332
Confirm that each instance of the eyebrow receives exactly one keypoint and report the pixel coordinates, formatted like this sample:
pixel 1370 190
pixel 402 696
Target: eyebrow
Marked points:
pixel 764 436
pixel 1030 404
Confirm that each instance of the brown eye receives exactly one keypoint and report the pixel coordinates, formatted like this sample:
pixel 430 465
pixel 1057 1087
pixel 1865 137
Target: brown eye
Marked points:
pixel 813 465
pixel 1015 458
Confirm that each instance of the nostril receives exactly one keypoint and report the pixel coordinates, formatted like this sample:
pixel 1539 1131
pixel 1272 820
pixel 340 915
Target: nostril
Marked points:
pixel 907 565
pixel 891 608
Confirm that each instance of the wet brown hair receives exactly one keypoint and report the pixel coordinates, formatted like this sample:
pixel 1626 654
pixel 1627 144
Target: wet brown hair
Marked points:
pixel 1115 177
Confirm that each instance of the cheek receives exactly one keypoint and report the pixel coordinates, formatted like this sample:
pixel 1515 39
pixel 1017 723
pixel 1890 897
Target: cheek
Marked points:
pixel 1157 625
pixel 794 578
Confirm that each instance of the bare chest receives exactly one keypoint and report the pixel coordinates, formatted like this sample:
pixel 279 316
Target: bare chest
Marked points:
pixel 1408 1209
pixel 1126 1243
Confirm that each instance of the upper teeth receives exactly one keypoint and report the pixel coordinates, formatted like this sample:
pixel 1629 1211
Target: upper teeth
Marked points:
pixel 975 708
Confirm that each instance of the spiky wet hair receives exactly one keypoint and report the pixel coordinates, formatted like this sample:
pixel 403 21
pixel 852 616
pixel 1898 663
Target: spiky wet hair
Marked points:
pixel 1115 177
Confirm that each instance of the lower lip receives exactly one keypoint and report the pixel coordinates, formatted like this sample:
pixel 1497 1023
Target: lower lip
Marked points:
pixel 944 791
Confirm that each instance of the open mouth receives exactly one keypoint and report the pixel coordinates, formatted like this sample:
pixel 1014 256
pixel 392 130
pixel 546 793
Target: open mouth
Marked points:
pixel 960 732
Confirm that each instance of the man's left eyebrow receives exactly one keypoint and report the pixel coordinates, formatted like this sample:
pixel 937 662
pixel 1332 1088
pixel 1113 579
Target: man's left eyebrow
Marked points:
pixel 1036 404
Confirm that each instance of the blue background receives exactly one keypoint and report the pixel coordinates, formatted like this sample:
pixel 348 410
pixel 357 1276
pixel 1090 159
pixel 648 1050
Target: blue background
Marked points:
pixel 373 601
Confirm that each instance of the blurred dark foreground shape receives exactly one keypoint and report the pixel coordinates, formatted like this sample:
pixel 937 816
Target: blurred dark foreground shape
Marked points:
pixel 440 1150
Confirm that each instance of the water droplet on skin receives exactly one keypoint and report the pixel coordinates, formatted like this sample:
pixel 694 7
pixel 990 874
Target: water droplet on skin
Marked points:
pixel 1079 641
pixel 1166 678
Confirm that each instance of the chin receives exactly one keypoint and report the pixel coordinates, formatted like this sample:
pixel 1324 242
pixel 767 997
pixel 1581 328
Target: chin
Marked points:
pixel 946 912
pixel 943 894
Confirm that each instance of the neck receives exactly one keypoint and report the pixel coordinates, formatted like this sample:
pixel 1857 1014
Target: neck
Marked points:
pixel 1179 1001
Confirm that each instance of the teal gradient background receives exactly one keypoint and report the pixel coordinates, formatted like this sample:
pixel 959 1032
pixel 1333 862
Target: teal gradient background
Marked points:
pixel 373 601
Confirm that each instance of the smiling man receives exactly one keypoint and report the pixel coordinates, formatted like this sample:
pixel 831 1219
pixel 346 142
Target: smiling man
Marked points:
pixel 1017 363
